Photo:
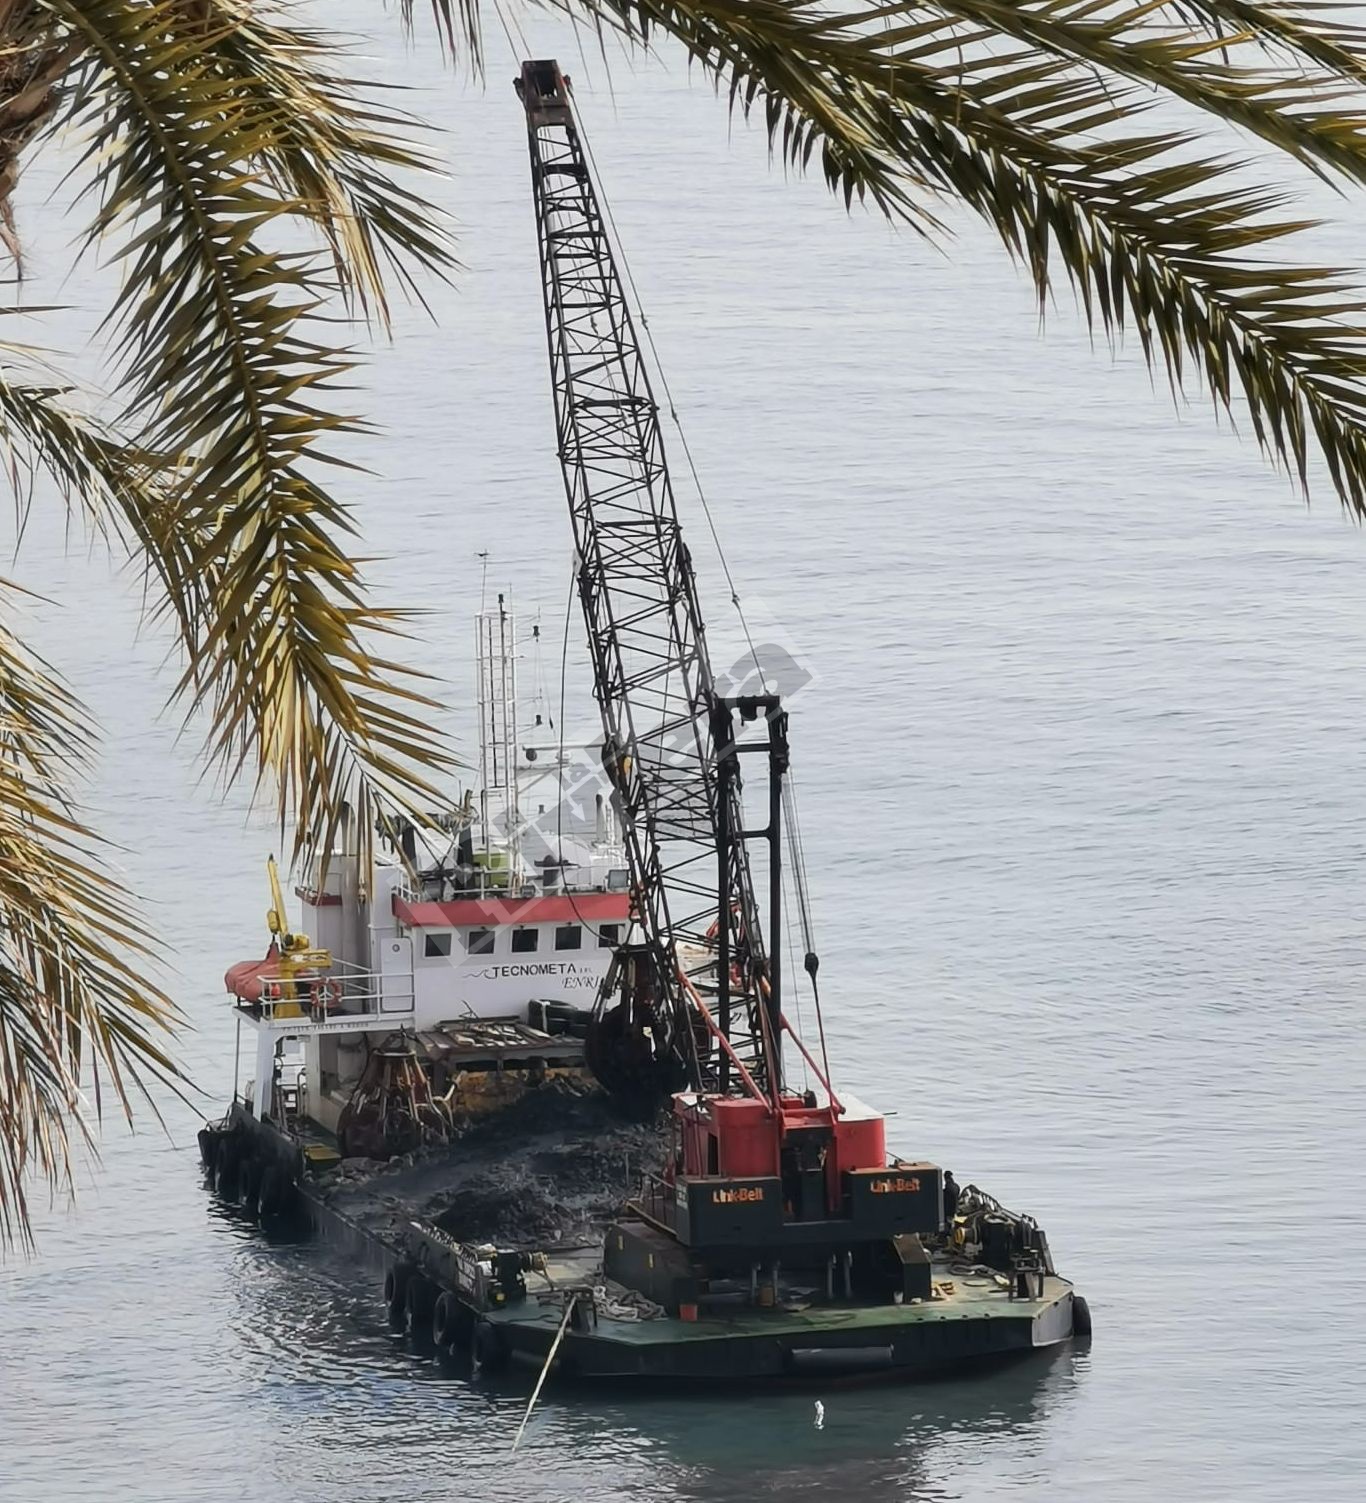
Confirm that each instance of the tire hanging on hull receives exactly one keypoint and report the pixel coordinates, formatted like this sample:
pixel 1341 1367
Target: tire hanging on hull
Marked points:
pixel 395 1290
pixel 452 1322
pixel 1081 1317
pixel 490 1347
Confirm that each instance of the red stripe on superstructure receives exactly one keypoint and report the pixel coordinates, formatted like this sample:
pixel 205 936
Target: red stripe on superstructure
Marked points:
pixel 594 907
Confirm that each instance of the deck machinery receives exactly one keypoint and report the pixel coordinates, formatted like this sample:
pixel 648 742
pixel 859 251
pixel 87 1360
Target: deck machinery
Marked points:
pixel 770 1191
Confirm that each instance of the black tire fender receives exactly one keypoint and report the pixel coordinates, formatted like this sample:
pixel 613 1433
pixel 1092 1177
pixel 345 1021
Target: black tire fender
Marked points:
pixel 419 1300
pixel 1081 1316
pixel 396 1286
pixel 450 1321
pixel 228 1173
pixel 490 1347
pixel 251 1183
pixel 273 1193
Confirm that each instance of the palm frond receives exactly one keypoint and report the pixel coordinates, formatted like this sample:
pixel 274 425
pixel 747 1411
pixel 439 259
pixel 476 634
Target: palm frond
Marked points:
pixel 75 1003
pixel 1062 161
pixel 32 60
pixel 1301 33
pixel 110 484
pixel 215 130
pixel 329 146
pixel 452 16
pixel 232 372
pixel 1297 109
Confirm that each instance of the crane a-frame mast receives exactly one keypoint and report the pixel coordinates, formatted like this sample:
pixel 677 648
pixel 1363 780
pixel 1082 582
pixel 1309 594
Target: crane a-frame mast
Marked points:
pixel 670 750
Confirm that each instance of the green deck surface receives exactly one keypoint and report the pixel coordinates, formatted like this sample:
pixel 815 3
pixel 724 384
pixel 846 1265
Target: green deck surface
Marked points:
pixel 978 1300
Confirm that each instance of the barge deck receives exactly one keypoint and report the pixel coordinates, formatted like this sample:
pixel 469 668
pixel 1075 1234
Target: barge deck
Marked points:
pixel 511 1306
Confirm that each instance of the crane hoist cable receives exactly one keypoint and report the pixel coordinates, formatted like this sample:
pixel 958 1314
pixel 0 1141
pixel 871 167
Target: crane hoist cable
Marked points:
pixel 811 959
pixel 639 308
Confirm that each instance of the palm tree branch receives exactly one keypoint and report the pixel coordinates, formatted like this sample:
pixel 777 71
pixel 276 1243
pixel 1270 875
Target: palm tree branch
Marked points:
pixel 1142 230
pixel 39 1101
pixel 1302 32
pixel 1288 108
pixel 450 15
pixel 1131 38
pixel 331 147
pixel 225 372
pixel 75 1001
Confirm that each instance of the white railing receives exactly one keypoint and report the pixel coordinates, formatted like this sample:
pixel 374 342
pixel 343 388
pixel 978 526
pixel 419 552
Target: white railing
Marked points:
pixel 343 999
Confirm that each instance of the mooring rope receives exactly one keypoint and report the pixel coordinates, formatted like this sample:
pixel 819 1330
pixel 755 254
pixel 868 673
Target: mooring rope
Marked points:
pixel 550 1357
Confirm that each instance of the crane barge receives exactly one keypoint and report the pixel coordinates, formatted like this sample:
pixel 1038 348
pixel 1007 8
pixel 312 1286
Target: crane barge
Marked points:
pixel 781 1209
pixel 769 1234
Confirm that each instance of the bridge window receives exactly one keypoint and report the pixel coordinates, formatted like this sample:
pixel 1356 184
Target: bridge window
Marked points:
pixel 434 945
pixel 609 936
pixel 524 941
pixel 568 937
pixel 479 941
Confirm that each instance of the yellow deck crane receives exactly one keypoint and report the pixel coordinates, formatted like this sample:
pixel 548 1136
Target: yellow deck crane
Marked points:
pixel 299 957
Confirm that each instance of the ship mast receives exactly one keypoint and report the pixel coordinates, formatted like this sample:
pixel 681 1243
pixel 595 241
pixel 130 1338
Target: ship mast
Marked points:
pixel 702 986
pixel 495 647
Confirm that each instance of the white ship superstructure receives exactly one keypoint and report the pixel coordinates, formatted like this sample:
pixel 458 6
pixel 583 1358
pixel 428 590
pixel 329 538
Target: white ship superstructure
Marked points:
pixel 460 966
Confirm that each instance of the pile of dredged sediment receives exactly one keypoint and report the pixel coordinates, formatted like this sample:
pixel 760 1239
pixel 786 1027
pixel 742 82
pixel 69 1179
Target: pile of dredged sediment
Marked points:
pixel 547 1172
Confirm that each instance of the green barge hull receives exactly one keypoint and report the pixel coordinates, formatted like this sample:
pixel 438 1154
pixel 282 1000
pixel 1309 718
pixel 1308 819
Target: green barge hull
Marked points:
pixel 972 1324
pixel 437 1288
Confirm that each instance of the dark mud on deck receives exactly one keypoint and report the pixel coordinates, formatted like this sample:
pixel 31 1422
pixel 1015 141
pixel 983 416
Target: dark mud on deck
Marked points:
pixel 545 1172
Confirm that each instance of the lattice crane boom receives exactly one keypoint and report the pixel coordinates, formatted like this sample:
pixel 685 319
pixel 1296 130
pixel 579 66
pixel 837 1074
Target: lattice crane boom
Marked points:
pixel 663 718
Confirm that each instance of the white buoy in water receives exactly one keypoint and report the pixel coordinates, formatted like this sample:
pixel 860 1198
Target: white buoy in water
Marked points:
pixel 820 1415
